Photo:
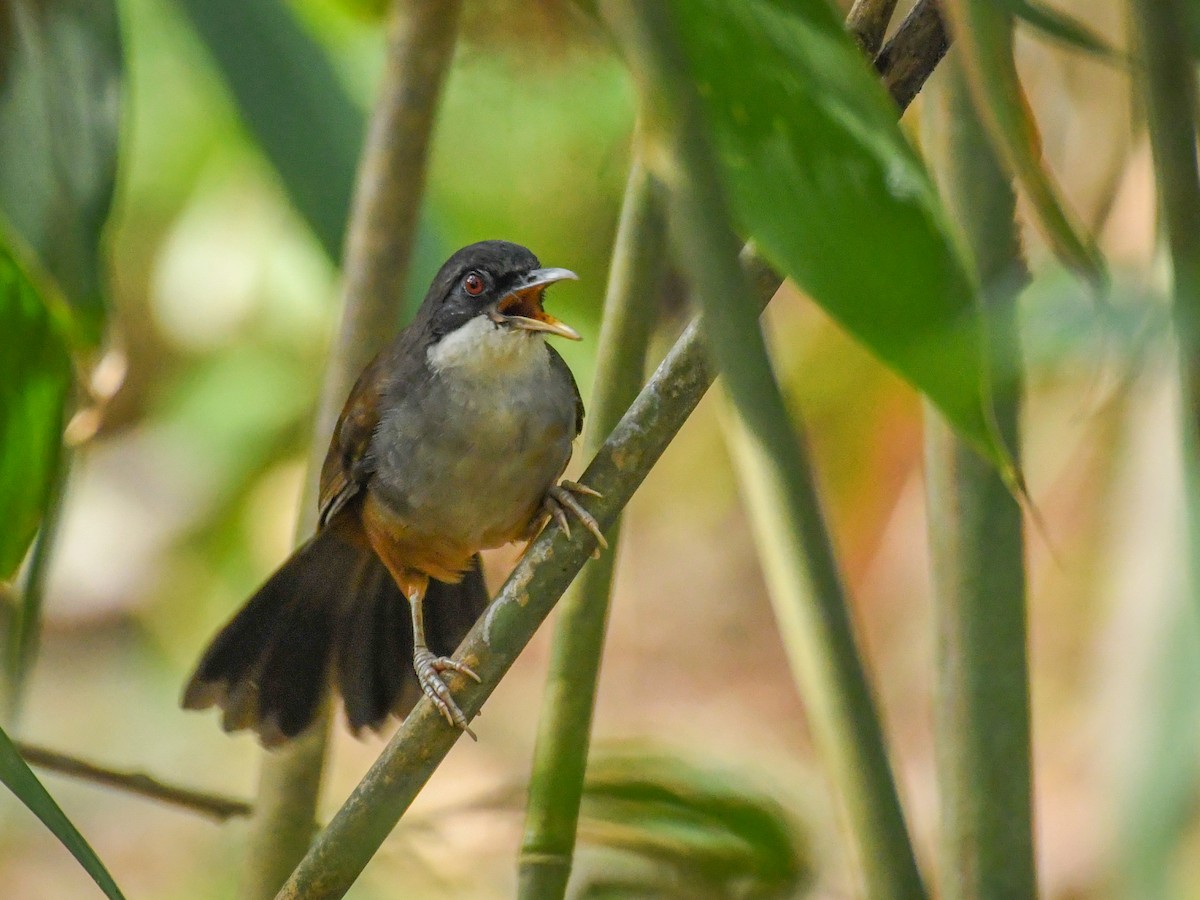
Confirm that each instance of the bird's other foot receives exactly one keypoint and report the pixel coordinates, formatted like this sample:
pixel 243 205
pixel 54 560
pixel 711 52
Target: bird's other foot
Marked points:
pixel 562 498
pixel 429 674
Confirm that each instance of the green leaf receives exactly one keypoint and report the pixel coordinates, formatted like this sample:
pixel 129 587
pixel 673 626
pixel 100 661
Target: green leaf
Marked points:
pixel 306 122
pixel 35 374
pixel 711 827
pixel 60 84
pixel 18 778
pixel 984 37
pixel 824 182
pixel 1064 28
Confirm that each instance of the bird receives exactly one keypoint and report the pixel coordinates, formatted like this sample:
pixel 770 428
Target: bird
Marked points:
pixel 453 440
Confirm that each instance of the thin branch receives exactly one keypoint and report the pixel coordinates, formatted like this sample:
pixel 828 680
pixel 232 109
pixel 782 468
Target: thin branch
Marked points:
pixel 214 806
pixel 913 52
pixel 565 725
pixel 387 198
pixel 868 22
pixel 540 577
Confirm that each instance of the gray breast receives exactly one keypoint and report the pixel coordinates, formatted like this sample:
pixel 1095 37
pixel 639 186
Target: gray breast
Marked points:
pixel 468 454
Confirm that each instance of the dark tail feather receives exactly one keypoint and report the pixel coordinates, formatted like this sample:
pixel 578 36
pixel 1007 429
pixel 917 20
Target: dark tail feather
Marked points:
pixel 374 661
pixel 329 603
pixel 266 668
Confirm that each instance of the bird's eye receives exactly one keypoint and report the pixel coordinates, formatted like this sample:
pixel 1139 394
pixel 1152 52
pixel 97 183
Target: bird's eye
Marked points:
pixel 473 284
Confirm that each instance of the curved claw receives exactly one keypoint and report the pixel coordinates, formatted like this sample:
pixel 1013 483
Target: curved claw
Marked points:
pixel 429 669
pixel 576 488
pixel 561 498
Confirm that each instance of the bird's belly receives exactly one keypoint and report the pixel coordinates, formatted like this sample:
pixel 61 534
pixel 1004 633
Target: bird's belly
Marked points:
pixel 477 476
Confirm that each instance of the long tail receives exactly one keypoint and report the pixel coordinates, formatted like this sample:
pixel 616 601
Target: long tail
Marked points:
pixel 331 609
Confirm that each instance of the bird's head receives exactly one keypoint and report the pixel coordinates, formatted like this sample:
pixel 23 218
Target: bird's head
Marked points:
pixel 493 286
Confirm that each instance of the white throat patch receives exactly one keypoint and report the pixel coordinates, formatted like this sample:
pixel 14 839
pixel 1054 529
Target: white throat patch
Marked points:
pixel 484 349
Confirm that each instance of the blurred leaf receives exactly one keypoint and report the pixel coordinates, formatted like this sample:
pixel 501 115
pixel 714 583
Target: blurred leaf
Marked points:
pixel 1063 27
pixel 711 830
pixel 18 778
pixel 825 183
pixel 60 81
pixel 35 374
pixel 984 37
pixel 290 98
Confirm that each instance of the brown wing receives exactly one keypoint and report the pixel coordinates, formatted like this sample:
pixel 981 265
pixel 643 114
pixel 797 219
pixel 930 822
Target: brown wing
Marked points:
pixel 348 463
pixel 557 362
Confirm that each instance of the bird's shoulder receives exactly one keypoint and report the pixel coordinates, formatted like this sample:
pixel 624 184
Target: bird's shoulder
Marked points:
pixel 349 463
pixel 559 366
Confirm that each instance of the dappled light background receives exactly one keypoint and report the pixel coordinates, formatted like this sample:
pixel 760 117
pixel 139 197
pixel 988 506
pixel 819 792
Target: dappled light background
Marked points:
pixel 187 496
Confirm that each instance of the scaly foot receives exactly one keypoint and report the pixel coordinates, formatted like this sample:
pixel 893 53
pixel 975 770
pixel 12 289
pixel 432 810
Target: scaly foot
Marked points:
pixel 560 499
pixel 429 675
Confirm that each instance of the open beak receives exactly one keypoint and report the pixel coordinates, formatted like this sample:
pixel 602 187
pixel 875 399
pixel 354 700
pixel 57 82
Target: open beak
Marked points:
pixel 522 306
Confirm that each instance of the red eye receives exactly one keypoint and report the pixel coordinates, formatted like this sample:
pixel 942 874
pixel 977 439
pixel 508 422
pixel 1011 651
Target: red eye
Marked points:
pixel 473 284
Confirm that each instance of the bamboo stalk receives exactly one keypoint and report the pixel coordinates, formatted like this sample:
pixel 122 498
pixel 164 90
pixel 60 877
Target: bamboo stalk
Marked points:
pixel 1156 822
pixel 358 829
pixel 379 240
pixel 771 460
pixel 867 23
pixel 976 545
pixel 1169 86
pixel 565 724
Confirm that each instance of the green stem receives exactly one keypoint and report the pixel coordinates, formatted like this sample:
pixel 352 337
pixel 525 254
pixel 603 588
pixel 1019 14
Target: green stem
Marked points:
pixel 543 573
pixel 977 550
pixel 564 733
pixel 387 197
pixel 1169 86
pixel 1156 818
pixel 772 463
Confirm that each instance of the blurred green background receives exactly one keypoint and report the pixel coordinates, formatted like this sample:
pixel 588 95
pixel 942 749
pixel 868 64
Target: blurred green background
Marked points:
pixel 224 303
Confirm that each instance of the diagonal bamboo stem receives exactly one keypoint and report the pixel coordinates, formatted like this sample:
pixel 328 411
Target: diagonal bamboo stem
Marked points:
pixel 564 733
pixel 355 833
pixel 976 545
pixel 387 198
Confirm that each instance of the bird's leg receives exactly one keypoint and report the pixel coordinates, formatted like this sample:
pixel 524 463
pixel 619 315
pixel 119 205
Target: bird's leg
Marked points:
pixel 429 667
pixel 561 498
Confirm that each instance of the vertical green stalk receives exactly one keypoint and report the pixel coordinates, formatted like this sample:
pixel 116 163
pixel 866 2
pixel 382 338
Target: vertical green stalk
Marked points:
pixel 1168 83
pixel 793 542
pixel 564 732
pixel 1155 817
pixel 976 545
pixel 379 240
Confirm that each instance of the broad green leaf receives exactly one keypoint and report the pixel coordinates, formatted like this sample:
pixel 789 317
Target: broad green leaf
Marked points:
pixel 713 828
pixel 300 114
pixel 60 84
pixel 18 778
pixel 1063 27
pixel 34 376
pixel 984 38
pixel 822 179
pixel 305 121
